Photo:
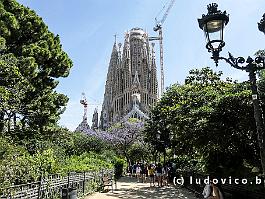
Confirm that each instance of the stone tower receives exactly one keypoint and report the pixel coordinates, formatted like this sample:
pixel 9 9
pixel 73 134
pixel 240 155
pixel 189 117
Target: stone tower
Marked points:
pixel 95 120
pixel 131 85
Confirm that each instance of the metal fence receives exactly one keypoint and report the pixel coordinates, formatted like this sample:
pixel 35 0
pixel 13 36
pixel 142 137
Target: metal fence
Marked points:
pixel 51 187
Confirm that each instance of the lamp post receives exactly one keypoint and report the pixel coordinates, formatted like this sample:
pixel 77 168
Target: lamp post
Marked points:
pixel 261 24
pixel 213 26
pixel 171 138
pixel 158 135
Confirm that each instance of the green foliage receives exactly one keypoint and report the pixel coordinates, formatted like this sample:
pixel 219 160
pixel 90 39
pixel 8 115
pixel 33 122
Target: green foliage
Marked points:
pixel 89 162
pixel 118 167
pixel 140 151
pixel 210 118
pixel 19 166
pixel 74 143
pixel 31 58
pixel 186 163
pixel 83 143
pixel 31 143
pixel 125 135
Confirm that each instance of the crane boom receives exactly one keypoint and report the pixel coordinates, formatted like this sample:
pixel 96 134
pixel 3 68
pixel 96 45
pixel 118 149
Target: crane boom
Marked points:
pixel 158 27
pixel 167 11
pixel 159 23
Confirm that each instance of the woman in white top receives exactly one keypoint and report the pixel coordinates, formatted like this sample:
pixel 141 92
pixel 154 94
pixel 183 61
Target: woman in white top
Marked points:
pixel 138 172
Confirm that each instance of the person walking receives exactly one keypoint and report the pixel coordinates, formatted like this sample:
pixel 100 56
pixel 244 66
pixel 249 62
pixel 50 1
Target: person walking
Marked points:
pixel 129 171
pixel 138 172
pixel 165 175
pixel 134 170
pixel 159 174
pixel 151 174
pixel 145 172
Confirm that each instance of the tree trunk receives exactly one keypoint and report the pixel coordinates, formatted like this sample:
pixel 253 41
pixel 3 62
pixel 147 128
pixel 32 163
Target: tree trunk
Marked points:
pixel 9 124
pixel 2 121
pixel 15 120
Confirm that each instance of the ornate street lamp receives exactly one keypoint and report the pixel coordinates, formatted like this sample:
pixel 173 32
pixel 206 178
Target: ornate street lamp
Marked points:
pixel 158 136
pixel 171 138
pixel 213 26
pixel 261 24
pixel 214 22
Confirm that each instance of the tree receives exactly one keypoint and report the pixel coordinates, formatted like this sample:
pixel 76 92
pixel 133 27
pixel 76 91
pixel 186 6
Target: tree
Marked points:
pixel 13 86
pixel 139 151
pixel 31 60
pixel 125 135
pixel 210 118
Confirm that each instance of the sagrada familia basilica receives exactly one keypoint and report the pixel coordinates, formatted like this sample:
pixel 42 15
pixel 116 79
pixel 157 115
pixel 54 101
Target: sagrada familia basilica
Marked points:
pixel 131 87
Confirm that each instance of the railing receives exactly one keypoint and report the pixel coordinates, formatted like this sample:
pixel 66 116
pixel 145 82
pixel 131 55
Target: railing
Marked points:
pixel 51 187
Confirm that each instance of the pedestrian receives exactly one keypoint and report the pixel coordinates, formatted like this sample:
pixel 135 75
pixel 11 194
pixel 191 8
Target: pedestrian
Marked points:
pixel 145 172
pixel 170 173
pixel 165 175
pixel 130 171
pixel 138 172
pixel 134 170
pixel 151 174
pixel 159 174
pixel 142 172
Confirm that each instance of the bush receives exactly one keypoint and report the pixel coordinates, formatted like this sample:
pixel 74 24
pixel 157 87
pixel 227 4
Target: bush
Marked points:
pixel 118 168
pixel 16 166
pixel 187 163
pixel 61 152
pixel 88 162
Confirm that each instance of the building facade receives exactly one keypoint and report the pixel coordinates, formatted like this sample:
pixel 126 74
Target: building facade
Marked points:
pixel 131 87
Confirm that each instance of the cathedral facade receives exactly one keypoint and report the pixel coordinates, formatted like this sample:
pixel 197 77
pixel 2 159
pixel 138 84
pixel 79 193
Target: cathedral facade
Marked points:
pixel 131 87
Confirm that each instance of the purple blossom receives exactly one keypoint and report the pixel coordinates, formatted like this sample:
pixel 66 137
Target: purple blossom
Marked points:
pixel 124 133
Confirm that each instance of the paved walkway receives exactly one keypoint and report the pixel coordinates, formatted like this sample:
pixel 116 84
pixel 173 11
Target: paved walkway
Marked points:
pixel 128 188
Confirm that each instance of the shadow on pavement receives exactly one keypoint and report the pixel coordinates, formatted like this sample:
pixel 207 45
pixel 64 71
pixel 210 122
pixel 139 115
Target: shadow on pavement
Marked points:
pixel 153 193
pixel 143 191
pixel 126 179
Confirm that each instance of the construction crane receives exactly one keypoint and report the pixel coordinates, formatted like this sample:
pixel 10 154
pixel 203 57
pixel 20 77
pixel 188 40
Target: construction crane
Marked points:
pixel 158 27
pixel 83 101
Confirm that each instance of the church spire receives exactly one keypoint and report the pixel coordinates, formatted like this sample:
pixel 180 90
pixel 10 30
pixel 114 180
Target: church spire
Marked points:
pixel 115 36
pixel 114 53
pixel 95 120
pixel 132 71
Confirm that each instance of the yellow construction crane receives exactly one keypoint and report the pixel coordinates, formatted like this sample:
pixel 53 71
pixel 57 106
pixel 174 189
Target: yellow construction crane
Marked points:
pixel 158 27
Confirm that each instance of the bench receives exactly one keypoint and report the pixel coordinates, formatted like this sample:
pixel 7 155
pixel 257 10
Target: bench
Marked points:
pixel 107 182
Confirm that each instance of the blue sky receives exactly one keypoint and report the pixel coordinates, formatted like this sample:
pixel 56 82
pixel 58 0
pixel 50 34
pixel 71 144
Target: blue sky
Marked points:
pixel 87 28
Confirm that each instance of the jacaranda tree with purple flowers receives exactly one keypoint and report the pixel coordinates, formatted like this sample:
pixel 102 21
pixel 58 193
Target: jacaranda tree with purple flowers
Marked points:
pixel 125 134
pixel 126 138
